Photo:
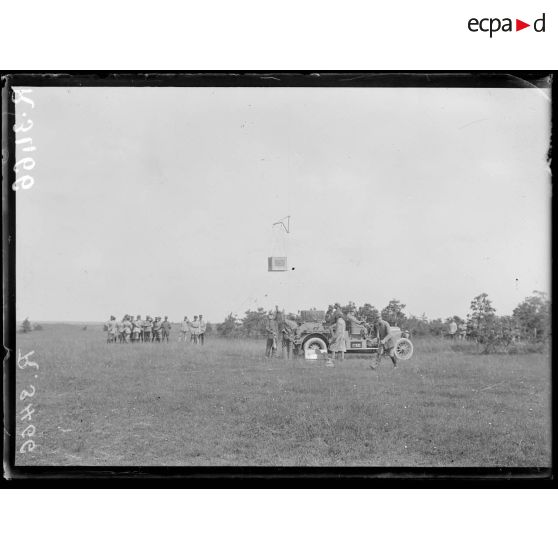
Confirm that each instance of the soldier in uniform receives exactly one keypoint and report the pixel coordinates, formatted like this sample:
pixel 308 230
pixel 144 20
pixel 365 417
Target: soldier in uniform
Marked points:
pixel 385 343
pixel 452 330
pixel 166 327
pixel 147 329
pixel 120 330
pixel 157 329
pixel 195 331
pixel 184 329
pixel 354 324
pixel 271 331
pixel 137 328
pixel 203 327
pixel 288 334
pixel 338 344
pixel 126 329
pixel 112 330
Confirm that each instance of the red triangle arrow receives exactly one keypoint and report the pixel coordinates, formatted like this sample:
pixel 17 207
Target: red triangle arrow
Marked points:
pixel 519 25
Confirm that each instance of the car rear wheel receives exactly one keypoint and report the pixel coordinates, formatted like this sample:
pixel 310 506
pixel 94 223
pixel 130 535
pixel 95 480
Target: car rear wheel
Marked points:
pixel 315 343
pixel 403 349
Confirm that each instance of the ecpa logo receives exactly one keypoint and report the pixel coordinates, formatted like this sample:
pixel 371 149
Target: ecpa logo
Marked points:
pixel 494 24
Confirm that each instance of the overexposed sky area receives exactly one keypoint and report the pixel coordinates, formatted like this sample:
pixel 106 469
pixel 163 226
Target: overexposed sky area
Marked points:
pixel 161 201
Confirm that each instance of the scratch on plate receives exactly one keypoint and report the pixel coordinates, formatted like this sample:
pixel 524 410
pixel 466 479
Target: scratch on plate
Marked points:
pixel 471 123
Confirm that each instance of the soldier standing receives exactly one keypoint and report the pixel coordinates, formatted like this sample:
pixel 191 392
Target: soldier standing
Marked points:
pixel 157 329
pixel 195 331
pixel 385 343
pixel 147 329
pixel 166 327
pixel 338 345
pixel 120 330
pixel 126 328
pixel 136 329
pixel 288 333
pixel 452 329
pixel 354 323
pixel 271 331
pixel 203 327
pixel 112 330
pixel 184 329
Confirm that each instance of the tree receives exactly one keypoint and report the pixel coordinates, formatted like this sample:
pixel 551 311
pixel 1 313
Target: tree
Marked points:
pixel 394 314
pixel 436 327
pixel 230 327
pixel 26 326
pixel 481 317
pixel 331 309
pixel 368 313
pixel 455 319
pixel 417 326
pixel 533 317
pixel 253 323
pixel 505 330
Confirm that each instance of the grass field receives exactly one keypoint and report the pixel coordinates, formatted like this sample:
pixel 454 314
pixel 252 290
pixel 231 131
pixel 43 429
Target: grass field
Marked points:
pixel 224 404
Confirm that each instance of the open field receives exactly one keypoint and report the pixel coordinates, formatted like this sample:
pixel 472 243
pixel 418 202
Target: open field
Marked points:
pixel 224 404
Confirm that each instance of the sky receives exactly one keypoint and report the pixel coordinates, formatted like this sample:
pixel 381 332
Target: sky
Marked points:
pixel 161 201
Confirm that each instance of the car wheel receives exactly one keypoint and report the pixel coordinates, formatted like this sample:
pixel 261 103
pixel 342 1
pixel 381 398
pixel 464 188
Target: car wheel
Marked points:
pixel 315 343
pixel 403 349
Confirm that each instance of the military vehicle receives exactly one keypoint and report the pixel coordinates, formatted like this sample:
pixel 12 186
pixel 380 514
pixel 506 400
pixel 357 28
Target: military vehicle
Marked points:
pixel 314 335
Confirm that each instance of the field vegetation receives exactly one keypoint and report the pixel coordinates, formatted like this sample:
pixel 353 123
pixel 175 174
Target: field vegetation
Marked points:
pixel 225 404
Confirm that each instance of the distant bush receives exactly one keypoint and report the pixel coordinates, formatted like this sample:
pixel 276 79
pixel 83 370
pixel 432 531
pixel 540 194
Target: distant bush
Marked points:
pixel 37 327
pixel 26 326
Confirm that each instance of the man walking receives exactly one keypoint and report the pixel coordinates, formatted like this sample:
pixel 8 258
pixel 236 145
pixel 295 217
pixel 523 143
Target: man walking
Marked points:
pixel 166 327
pixel 385 343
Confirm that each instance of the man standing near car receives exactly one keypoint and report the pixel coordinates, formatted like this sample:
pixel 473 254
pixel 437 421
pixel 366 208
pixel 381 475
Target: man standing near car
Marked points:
pixel 385 343
pixel 271 330
pixel 288 333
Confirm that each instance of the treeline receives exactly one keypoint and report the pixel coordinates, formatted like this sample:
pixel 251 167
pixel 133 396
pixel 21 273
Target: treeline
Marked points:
pixel 529 322
pixel 27 326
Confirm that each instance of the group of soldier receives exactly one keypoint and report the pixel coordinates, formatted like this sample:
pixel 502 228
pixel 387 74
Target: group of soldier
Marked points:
pixel 456 331
pixel 282 330
pixel 153 330
pixel 194 330
pixel 380 329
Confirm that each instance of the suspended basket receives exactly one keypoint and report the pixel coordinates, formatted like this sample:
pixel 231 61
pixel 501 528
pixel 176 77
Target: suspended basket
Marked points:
pixel 276 263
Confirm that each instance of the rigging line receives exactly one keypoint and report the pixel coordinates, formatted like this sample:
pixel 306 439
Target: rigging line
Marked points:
pixel 282 223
